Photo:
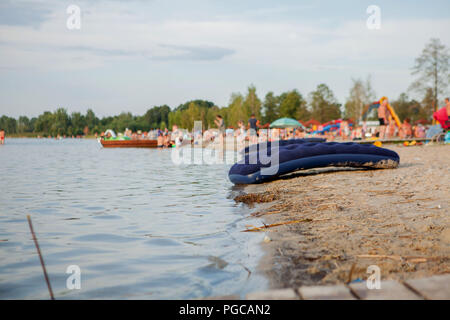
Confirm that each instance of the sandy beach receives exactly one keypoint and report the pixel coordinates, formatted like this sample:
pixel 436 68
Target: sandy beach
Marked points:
pixel 332 223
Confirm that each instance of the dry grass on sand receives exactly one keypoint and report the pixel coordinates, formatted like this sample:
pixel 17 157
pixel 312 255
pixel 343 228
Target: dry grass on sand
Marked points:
pixel 328 225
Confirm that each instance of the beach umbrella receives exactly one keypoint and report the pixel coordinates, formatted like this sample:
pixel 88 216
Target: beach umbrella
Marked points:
pixel 286 123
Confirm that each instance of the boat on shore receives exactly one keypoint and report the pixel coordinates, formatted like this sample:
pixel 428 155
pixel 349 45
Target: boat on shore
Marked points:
pixel 116 143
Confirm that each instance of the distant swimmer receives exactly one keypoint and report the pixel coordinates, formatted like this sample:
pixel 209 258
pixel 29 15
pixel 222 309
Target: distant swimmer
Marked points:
pixel 2 136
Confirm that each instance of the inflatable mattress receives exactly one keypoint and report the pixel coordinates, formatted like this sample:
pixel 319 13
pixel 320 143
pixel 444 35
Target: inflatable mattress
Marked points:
pixel 281 143
pixel 257 167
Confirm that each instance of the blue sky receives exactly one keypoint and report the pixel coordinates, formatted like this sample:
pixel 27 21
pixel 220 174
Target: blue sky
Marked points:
pixel 132 55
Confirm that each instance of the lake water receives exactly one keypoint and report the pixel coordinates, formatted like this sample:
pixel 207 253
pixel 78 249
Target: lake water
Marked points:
pixel 137 225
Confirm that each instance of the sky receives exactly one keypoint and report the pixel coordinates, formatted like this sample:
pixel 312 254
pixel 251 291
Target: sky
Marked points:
pixel 131 55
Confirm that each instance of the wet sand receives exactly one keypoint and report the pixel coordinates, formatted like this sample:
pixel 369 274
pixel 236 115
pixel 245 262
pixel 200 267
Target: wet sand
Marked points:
pixel 343 220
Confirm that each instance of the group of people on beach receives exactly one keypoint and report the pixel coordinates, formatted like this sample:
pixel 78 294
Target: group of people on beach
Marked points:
pixel 252 131
pixel 344 129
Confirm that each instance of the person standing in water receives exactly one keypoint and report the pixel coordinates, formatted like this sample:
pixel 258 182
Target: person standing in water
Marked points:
pixel 220 123
pixel 2 136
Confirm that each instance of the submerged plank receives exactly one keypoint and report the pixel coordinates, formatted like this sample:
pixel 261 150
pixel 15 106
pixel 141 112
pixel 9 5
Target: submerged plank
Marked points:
pixel 435 287
pixel 278 294
pixel 390 290
pixel 338 292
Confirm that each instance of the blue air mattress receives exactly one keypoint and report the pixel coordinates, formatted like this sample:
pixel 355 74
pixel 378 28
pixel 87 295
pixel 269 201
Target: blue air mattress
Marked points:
pixel 293 157
pixel 282 143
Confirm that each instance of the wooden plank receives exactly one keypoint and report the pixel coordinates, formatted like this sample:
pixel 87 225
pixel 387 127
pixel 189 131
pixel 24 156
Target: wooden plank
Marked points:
pixel 229 297
pixel 390 140
pixel 279 294
pixel 337 292
pixel 433 288
pixel 390 290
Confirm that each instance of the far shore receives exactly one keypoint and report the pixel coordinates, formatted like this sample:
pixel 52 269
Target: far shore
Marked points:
pixel 37 136
pixel 342 221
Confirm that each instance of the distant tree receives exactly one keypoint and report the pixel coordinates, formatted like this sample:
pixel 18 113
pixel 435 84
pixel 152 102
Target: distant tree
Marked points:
pixel 432 69
pixel 235 111
pixel 155 116
pixel 123 121
pixel 192 114
pixel 323 104
pixel 200 103
pixel 91 119
pixel 292 105
pixel 174 118
pixel 44 123
pixel 406 108
pixel 361 94
pixel 427 104
pixel 8 124
pixel 24 125
pixel 252 104
pixel 211 114
pixel 78 122
pixel 270 108
pixel 61 122
pixel 33 124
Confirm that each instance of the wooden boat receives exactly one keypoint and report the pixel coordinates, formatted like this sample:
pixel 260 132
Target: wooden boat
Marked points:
pixel 129 143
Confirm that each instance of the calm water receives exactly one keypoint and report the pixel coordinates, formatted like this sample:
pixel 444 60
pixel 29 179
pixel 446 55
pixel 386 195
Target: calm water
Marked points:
pixel 138 226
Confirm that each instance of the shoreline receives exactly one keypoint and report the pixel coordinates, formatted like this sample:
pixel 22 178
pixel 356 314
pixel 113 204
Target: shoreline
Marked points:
pixel 340 221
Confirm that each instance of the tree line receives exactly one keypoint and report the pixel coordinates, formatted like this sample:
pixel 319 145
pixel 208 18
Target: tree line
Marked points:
pixel 431 68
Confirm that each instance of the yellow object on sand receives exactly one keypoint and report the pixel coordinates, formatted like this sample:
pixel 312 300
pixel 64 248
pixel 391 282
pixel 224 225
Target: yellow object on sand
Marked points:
pixel 412 143
pixel 377 143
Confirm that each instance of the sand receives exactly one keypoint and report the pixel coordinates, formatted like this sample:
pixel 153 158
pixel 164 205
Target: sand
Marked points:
pixel 344 220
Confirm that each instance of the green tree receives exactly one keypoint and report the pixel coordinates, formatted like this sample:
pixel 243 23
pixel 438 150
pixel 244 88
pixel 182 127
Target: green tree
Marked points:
pixel 432 69
pixel 91 120
pixel 361 94
pixel 61 122
pixel 78 122
pixel 251 103
pixel 43 122
pixel 292 105
pixel 200 103
pixel 324 106
pixel 156 115
pixel 193 113
pixel 406 108
pixel 24 125
pixel 8 124
pixel 123 121
pixel 427 104
pixel 235 111
pixel 271 108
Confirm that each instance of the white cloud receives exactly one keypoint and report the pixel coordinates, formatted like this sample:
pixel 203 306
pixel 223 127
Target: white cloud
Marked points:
pixel 300 45
pixel 295 53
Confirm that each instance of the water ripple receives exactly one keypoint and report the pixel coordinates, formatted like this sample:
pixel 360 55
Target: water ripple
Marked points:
pixel 138 226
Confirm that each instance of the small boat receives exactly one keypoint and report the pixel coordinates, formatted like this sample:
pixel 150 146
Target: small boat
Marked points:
pixel 115 143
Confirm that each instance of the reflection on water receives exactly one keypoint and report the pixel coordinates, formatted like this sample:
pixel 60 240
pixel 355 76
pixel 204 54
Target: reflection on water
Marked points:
pixel 138 226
